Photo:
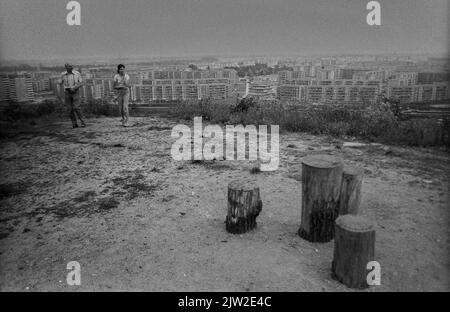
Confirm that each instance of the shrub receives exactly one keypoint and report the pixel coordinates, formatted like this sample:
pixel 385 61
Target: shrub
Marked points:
pixel 14 111
pixel 374 122
pixel 101 108
pixel 420 132
pixel 339 128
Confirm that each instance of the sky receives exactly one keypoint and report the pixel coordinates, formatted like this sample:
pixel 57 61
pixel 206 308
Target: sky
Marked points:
pixel 37 29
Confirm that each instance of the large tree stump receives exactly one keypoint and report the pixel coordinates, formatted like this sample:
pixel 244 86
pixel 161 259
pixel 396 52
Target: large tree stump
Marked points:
pixel 354 248
pixel 244 205
pixel 350 198
pixel 321 184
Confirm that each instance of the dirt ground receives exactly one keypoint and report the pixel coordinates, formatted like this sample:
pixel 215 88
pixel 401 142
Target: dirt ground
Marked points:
pixel 113 199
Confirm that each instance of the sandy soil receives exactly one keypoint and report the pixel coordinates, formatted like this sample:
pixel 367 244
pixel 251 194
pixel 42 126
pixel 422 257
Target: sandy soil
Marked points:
pixel 113 199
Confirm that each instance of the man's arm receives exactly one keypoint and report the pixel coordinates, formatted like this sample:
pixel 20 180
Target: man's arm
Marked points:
pixel 61 79
pixel 60 93
pixel 78 82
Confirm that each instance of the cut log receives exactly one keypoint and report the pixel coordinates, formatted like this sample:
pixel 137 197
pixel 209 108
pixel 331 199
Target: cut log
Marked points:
pixel 321 184
pixel 244 205
pixel 350 198
pixel 354 248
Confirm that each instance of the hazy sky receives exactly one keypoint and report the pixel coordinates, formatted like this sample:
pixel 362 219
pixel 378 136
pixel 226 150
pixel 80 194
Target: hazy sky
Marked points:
pixel 37 29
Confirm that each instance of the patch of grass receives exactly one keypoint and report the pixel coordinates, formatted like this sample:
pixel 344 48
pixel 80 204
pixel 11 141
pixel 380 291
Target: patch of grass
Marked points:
pixel 210 164
pixel 18 111
pixel 218 166
pixel 134 184
pixel 158 128
pixel 295 176
pixel 103 145
pixel 108 203
pixel 168 198
pixel 81 206
pixel 137 188
pixel 11 189
pixel 376 122
pixel 101 108
pixel 86 196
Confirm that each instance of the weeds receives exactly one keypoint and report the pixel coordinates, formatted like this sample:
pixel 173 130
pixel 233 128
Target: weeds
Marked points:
pixel 376 122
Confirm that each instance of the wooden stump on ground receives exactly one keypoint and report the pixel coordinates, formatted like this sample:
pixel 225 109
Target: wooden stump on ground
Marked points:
pixel 350 198
pixel 321 184
pixel 354 248
pixel 244 205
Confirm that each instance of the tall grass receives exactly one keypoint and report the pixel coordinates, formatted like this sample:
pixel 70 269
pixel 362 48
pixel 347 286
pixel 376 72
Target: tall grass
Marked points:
pixel 376 122
pixel 13 111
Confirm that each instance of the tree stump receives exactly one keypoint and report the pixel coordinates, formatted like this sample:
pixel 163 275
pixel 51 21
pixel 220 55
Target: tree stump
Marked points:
pixel 244 205
pixel 354 248
pixel 350 198
pixel 321 184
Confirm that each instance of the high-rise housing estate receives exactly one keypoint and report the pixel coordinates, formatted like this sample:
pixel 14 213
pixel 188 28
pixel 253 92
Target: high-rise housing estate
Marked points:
pixel 262 90
pixel 419 92
pixel 167 85
pixel 364 85
pixel 317 91
pixel 17 88
pixel 428 77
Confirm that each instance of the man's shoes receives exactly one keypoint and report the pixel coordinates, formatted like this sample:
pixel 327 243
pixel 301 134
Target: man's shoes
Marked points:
pixel 83 125
pixel 74 126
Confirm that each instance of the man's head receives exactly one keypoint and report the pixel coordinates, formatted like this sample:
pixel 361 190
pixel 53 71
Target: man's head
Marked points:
pixel 121 69
pixel 69 67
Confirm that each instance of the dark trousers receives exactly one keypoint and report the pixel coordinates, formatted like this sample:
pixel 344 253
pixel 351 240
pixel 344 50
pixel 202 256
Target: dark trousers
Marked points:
pixel 72 100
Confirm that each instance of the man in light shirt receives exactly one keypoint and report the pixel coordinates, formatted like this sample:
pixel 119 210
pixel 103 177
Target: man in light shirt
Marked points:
pixel 71 81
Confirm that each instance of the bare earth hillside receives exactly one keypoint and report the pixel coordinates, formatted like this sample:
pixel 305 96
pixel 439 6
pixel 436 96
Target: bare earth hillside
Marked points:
pixel 113 199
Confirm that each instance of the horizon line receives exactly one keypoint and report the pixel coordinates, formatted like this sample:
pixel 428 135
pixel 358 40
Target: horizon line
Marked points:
pixel 243 55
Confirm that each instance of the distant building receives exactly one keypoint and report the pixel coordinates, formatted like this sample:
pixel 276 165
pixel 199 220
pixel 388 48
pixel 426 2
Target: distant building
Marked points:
pixel 320 91
pixel 168 85
pixel 40 85
pixel 17 88
pixel 325 73
pixel 262 90
pixel 431 77
pixel 420 93
pixel 242 87
pixel 404 78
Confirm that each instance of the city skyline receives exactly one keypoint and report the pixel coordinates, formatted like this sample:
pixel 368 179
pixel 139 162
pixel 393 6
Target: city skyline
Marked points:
pixel 37 30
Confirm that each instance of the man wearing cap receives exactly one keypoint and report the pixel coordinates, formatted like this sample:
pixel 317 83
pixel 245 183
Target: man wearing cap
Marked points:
pixel 71 81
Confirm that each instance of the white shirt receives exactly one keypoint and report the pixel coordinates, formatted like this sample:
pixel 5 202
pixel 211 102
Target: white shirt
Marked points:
pixel 70 80
pixel 121 80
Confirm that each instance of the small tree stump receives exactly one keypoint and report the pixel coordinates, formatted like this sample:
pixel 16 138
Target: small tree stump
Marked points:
pixel 244 205
pixel 350 198
pixel 321 184
pixel 354 248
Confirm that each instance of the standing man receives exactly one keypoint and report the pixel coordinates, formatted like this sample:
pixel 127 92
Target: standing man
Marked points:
pixel 71 81
pixel 122 85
